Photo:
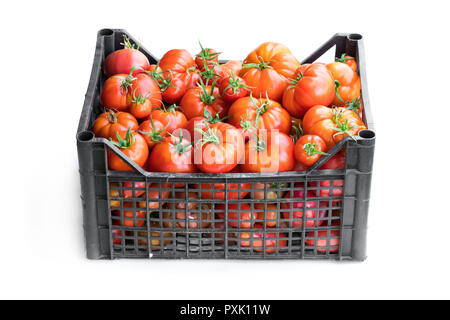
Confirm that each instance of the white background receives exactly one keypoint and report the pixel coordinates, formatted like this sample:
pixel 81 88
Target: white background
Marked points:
pixel 46 56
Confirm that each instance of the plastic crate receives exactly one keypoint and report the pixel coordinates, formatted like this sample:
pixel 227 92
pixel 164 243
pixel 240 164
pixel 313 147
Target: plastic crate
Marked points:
pixel 162 229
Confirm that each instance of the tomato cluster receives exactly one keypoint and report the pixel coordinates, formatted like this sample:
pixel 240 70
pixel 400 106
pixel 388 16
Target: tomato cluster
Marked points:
pixel 191 114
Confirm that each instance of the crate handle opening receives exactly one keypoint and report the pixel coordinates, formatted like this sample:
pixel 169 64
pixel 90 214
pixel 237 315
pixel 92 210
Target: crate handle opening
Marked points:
pixel 106 32
pixel 85 136
pixel 367 134
pixel 354 36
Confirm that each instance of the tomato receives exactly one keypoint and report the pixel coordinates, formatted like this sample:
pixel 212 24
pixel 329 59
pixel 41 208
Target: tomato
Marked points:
pixel 231 67
pixel 271 151
pixel 348 60
pixel 115 92
pixel 179 67
pixel 153 131
pixel 153 197
pixel 123 60
pixel 324 240
pixel 244 219
pixel 221 149
pixel 270 216
pixel 133 146
pixel 291 105
pixel 202 123
pixel 309 149
pixel 155 237
pixel 212 75
pixel 267 191
pixel 331 124
pixel 300 167
pixel 297 209
pixel 174 154
pixel 233 88
pixel 249 113
pixel 348 85
pixel 143 96
pixel 202 97
pixel 207 57
pixel 234 190
pixel 170 117
pixel 256 240
pixel 109 123
pixel 196 219
pixel 356 106
pixel 314 85
pixel 336 162
pixel 267 69
pixel 131 217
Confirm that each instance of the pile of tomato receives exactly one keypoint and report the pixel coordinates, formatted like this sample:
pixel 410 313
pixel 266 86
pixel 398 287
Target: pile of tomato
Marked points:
pixel 190 114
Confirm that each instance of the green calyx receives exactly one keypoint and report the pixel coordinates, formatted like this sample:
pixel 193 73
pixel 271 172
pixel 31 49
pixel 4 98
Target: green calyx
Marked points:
pixel 124 143
pixel 127 43
pixel 155 135
pixel 337 85
pixel 261 65
pixel 206 97
pixel 126 83
pixel 311 150
pixel 354 105
pixel 139 99
pixel 209 136
pixel 179 147
pixel 345 128
pixel 235 85
pixel 206 54
pixel 344 58
pixel 111 116
pixel 213 119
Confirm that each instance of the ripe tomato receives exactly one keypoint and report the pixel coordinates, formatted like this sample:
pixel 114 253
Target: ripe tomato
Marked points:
pixel 244 219
pixel 323 240
pixel 348 85
pixel 270 216
pixel 170 117
pixel 153 131
pixel 348 60
pixel 196 219
pixel 331 124
pixel 109 123
pixel 221 149
pixel 202 97
pixel 314 85
pixel 311 209
pixel 143 96
pixel 155 199
pixel 309 149
pixel 271 151
pixel 133 146
pixel 212 75
pixel 115 92
pixel 248 113
pixel 202 123
pixel 234 190
pixel 267 192
pixel 207 57
pixel 267 68
pixel 233 88
pixel 336 162
pixel 291 105
pixel 174 154
pixel 179 69
pixel 130 214
pixel 257 240
pixel 231 67
pixel 123 60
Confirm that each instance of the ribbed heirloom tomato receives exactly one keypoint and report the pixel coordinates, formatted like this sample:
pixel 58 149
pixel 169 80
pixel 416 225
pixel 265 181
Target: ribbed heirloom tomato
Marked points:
pixel 231 67
pixel 202 97
pixel 267 70
pixel 271 151
pixel 109 123
pixel 123 60
pixel 133 146
pixel 115 92
pixel 348 60
pixel 313 85
pixel 331 124
pixel 347 83
pixel 171 117
pixel 249 113
pixel 220 149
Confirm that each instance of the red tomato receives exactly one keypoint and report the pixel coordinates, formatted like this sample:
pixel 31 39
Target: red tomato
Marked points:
pixel 153 131
pixel 291 105
pixel 115 92
pixel 309 149
pixel 129 216
pixel 249 113
pixel 271 151
pixel 155 199
pixel 212 75
pixel 202 123
pixel 234 190
pixel 348 85
pixel 196 219
pixel 197 99
pixel 143 96
pixel 348 60
pixel 314 85
pixel 331 124
pixel 231 67
pixel 267 69
pixel 324 240
pixel 335 162
pixel 133 146
pixel 221 149
pixel 109 123
pixel 245 219
pixel 207 57
pixel 257 240
pixel 170 117
pixel 270 216
pixel 174 154
pixel 297 209
pixel 123 60
pixel 233 88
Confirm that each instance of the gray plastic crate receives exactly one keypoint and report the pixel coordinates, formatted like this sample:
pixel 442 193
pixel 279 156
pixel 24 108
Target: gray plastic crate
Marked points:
pixel 111 198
